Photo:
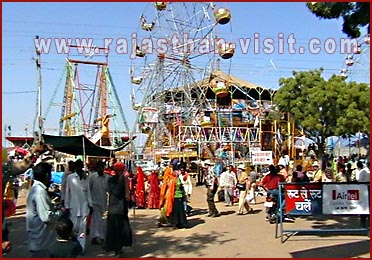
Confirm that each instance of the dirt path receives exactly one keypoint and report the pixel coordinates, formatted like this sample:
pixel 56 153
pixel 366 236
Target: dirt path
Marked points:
pixel 230 235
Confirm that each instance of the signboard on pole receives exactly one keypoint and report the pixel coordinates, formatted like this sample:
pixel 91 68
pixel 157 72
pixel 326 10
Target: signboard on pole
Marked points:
pixel 262 157
pixel 184 154
pixel 150 115
pixel 303 199
pixel 350 199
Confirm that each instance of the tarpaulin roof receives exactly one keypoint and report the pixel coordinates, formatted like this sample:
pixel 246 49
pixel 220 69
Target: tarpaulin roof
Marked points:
pixel 80 145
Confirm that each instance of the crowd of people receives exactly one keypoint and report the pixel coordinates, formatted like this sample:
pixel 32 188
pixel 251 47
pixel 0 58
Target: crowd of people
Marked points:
pixel 60 230
pixel 89 192
pixel 242 184
pixel 232 184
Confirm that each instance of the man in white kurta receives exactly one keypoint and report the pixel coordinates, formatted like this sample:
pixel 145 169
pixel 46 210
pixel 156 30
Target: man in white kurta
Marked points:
pixel 187 185
pixel 364 174
pixel 78 201
pixel 70 169
pixel 228 182
pixel 98 190
pixel 40 213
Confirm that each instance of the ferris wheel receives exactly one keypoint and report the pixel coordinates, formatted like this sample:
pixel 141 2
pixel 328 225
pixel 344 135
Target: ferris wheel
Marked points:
pixel 179 45
pixel 356 66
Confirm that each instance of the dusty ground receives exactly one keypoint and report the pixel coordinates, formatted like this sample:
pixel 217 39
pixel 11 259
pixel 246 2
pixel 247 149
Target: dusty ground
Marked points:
pixel 228 236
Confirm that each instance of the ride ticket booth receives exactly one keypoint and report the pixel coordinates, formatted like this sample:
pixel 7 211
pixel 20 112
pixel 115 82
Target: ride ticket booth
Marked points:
pixel 324 200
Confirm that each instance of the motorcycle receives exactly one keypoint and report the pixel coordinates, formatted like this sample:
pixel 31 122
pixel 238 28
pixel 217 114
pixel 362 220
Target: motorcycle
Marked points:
pixel 272 209
pixel 271 205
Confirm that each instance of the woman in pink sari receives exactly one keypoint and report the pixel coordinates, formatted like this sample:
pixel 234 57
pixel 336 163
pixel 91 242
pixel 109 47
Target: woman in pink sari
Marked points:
pixel 140 189
pixel 153 198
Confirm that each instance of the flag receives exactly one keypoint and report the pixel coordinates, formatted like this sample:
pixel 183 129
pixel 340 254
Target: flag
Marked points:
pixel 256 122
pixel 179 119
pixel 279 136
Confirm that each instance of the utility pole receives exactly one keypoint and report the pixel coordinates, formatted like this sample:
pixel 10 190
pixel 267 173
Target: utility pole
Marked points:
pixel 26 130
pixel 38 137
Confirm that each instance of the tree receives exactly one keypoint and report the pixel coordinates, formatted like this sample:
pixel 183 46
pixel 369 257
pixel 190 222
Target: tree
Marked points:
pixel 355 14
pixel 324 108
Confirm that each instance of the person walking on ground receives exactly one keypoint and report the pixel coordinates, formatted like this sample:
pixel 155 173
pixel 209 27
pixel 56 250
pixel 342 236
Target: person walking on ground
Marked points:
pixel 211 183
pixel 363 176
pixel 363 173
pixel 341 176
pixel 178 217
pixel 324 174
pixel 78 201
pixel 68 170
pixel 254 177
pixel 6 243
pixel 227 183
pixel 283 171
pixel 131 179
pixel 41 217
pixel 350 173
pixel 187 185
pixel 317 172
pixel 201 175
pixel 98 189
pixel 166 197
pixel 301 175
pixel 66 245
pixel 172 212
pixel 118 231
pixel 243 197
pixel 154 192
pixel 140 194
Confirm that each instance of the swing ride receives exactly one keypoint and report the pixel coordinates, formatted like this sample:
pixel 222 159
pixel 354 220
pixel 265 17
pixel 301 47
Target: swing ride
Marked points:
pixel 91 109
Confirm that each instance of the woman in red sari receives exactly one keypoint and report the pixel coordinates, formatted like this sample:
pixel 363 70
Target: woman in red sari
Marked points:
pixel 131 183
pixel 153 198
pixel 140 189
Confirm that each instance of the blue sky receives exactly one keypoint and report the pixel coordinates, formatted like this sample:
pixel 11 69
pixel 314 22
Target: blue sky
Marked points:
pixel 23 21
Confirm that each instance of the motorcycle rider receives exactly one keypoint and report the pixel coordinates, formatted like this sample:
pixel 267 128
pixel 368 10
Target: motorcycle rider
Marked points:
pixel 271 185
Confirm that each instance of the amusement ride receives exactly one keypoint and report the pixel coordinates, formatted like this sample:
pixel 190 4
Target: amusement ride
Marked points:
pixel 187 101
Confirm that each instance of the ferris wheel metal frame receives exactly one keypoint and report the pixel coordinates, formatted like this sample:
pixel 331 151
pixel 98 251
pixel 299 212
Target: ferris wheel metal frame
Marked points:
pixel 356 65
pixel 168 83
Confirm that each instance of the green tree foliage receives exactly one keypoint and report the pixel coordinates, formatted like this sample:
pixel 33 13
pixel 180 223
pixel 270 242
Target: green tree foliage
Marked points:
pixel 324 108
pixel 354 14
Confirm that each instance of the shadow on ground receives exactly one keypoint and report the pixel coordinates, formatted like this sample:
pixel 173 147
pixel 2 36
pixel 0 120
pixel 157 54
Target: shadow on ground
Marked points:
pixel 347 250
pixel 148 244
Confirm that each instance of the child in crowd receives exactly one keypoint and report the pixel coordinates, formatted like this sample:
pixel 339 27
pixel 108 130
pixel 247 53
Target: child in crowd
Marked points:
pixel 66 245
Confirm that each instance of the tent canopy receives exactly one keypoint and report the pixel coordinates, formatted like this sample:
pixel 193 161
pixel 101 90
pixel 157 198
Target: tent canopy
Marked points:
pixel 80 145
